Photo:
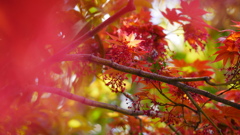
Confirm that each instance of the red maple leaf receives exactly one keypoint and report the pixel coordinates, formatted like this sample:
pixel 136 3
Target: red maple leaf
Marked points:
pixel 195 36
pixel 173 16
pixel 201 65
pixel 194 31
pixel 192 9
pixel 202 68
pixel 234 94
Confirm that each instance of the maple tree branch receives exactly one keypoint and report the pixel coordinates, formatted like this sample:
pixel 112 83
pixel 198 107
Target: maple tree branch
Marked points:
pixel 205 78
pixel 153 76
pixel 176 104
pixel 201 111
pixel 86 101
pixel 190 79
pixel 206 94
pixel 218 95
pixel 220 84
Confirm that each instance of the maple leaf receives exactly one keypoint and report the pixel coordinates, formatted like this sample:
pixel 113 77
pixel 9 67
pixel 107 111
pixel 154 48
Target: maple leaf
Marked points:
pixel 234 94
pixel 144 15
pixel 137 19
pixel 192 9
pixel 179 63
pixel 153 97
pixel 195 35
pixel 173 16
pixel 123 38
pixel 142 95
pixel 229 112
pixel 195 31
pixel 230 50
pixel 132 42
pixel 136 78
pixel 200 67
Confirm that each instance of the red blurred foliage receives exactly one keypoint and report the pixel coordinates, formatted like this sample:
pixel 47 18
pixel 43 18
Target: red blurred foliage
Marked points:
pixel 24 36
pixel 30 31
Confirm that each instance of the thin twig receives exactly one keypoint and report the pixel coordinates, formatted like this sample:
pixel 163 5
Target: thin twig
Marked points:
pixel 205 78
pixel 201 111
pixel 221 84
pixel 174 129
pixel 176 104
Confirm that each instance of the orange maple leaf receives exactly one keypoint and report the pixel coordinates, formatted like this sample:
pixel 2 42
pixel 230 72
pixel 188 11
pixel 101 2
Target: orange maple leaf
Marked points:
pixel 201 68
pixel 230 50
pixel 179 63
pixel 201 65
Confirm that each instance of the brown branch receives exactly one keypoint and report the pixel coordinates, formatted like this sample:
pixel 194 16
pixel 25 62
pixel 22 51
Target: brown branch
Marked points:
pixel 201 111
pixel 217 95
pixel 221 84
pixel 83 100
pixel 174 130
pixel 206 94
pixel 153 76
pixel 191 79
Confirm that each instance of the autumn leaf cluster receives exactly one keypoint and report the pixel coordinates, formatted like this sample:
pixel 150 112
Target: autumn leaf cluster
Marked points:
pixel 122 67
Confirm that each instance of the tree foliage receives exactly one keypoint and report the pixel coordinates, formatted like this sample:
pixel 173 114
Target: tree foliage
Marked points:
pixel 108 67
